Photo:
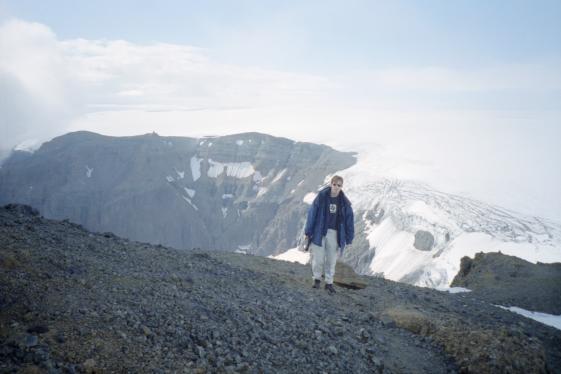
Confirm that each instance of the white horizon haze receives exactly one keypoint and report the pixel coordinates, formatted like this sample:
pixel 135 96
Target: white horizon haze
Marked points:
pixel 486 125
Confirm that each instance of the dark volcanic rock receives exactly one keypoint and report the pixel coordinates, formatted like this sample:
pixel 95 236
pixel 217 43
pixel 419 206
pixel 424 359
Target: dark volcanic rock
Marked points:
pixel 105 304
pixel 511 281
pixel 424 240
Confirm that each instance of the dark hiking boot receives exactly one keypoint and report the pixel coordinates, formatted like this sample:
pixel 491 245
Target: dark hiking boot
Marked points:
pixel 316 283
pixel 330 288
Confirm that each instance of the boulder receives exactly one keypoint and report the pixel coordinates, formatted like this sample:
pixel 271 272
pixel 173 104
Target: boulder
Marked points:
pixel 346 277
pixel 423 240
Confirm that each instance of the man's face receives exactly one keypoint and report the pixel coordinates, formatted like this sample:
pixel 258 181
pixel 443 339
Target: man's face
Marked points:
pixel 336 186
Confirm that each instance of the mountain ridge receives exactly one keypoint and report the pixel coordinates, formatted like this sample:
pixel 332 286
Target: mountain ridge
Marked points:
pixel 250 192
pixel 182 192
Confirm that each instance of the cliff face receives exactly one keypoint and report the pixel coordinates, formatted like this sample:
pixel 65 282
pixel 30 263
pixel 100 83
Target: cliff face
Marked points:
pixel 76 301
pixel 238 192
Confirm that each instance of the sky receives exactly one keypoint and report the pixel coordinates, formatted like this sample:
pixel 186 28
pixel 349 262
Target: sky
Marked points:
pixel 463 95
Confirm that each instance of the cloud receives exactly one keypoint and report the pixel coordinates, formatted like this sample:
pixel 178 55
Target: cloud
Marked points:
pixel 51 83
pixel 70 80
pixel 177 77
pixel 517 87
pixel 475 131
pixel 37 94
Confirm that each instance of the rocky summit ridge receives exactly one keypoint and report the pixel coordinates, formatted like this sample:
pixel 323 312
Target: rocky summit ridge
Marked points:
pixel 511 281
pixel 75 301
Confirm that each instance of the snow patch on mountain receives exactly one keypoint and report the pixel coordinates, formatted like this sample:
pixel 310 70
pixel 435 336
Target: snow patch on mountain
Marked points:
pixel 453 289
pixel 279 176
pixel 233 169
pixel 257 177
pixel 547 319
pixel 190 202
pixel 30 146
pixel 293 255
pixel 262 191
pixel 180 174
pixel 309 198
pixel 190 192
pixel 196 167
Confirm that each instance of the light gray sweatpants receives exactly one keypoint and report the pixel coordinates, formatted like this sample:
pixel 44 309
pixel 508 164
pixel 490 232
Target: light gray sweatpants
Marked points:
pixel 325 257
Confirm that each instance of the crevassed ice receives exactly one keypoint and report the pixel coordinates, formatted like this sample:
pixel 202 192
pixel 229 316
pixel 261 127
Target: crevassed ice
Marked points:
pixel 224 212
pixel 396 256
pixel 196 167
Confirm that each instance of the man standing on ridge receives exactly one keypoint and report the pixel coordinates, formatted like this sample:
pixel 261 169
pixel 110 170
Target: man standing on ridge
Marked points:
pixel 329 226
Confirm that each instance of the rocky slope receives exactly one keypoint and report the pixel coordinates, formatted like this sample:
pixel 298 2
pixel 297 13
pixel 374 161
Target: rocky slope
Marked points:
pixel 510 281
pixel 75 301
pixel 237 192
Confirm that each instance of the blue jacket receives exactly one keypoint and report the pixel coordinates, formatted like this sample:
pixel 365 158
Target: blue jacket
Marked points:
pixel 316 224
